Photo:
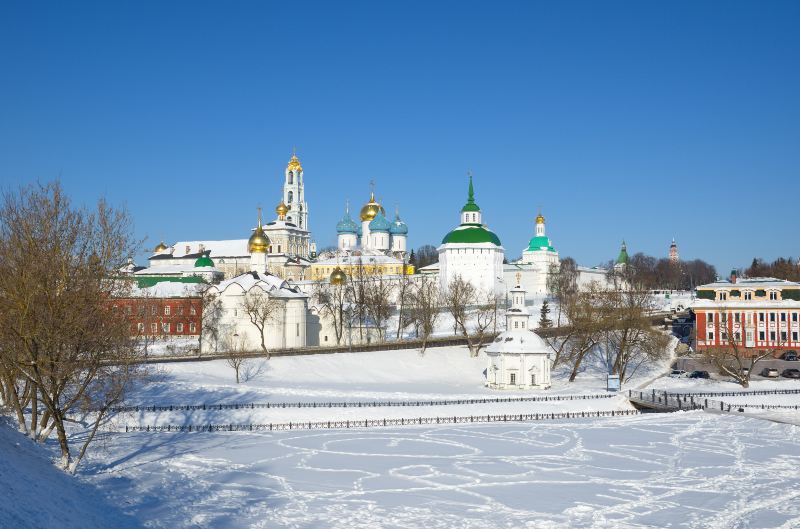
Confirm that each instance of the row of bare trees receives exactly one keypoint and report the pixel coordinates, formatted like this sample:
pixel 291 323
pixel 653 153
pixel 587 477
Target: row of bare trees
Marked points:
pixel 66 356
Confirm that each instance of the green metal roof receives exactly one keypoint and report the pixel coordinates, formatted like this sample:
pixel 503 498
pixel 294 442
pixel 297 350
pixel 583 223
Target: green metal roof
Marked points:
pixel 471 234
pixel 541 243
pixel 622 258
pixel 149 281
pixel 203 260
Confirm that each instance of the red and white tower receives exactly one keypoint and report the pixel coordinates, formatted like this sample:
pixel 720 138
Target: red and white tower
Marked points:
pixel 673 252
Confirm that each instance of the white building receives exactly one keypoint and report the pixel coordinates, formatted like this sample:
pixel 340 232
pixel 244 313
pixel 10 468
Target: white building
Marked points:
pixel 289 247
pixel 518 358
pixel 286 328
pixel 472 251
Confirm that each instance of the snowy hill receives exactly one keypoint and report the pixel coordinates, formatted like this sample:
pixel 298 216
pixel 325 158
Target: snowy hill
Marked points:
pixel 37 495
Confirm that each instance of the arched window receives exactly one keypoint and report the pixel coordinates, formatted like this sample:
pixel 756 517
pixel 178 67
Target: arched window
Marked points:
pixel 291 177
pixel 290 197
pixel 301 222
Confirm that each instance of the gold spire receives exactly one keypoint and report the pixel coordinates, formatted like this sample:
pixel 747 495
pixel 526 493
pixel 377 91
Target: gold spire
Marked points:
pixel 540 218
pixel 294 162
pixel 258 242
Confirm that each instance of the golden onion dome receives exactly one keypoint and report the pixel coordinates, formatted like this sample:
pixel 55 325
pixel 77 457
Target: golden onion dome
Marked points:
pixel 338 277
pixel 258 241
pixel 539 219
pixel 160 248
pixel 371 208
pixel 282 210
pixel 294 163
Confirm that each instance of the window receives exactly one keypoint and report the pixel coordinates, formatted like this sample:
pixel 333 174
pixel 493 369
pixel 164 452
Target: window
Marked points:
pixel 761 335
pixel 192 327
pixel 710 336
pixel 724 317
pixel 513 377
pixel 772 336
pixel 290 197
pixel 153 328
pixel 737 337
pixel 179 327
pixel 140 327
pixel 772 317
pixel 153 310
pixel 783 336
pixel 192 310
pixel 724 335
pixel 167 310
pixel 516 324
pixel 711 318
pixel 291 177
pixel 794 317
pixel 773 296
pixel 297 329
pixel 165 327
pixel 723 296
pixel 794 336
pixel 761 316
pixel 140 310
pixel 737 317
pixel 533 379
pixel 748 295
pixel 783 316
pixel 129 310
pixel 326 339
pixel 523 324
pixel 180 310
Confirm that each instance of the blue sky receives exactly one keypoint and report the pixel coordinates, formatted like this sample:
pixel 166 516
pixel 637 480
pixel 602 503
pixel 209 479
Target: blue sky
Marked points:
pixel 635 120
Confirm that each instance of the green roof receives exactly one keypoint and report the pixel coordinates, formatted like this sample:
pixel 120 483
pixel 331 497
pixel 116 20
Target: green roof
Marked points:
pixel 149 281
pixel 471 234
pixel 470 205
pixel 541 243
pixel 203 260
pixel 622 258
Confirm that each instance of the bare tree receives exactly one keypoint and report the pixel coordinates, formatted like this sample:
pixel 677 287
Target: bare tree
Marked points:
pixel 562 283
pixel 424 307
pixel 333 304
pixel 403 290
pixel 733 358
pixel 377 300
pixel 210 316
pixel 62 343
pixel 262 309
pixel 235 354
pixel 470 308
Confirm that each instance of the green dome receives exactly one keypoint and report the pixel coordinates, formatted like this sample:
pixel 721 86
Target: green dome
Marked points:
pixel 203 260
pixel 622 258
pixel 541 243
pixel 471 234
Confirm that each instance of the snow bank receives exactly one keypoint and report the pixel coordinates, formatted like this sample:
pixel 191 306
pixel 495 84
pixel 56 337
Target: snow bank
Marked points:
pixel 35 494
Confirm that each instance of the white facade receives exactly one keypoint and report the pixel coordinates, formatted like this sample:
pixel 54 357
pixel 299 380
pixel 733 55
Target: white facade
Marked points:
pixel 472 251
pixel 518 358
pixel 286 329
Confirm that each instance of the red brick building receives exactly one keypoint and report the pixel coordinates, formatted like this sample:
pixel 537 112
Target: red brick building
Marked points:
pixel 755 314
pixel 164 310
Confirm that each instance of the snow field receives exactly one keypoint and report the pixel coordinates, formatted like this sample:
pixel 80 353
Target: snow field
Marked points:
pixel 689 469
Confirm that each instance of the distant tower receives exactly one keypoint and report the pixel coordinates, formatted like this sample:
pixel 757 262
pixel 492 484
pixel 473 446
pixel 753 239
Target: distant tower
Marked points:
pixel 294 195
pixel 257 245
pixel 622 258
pixel 673 252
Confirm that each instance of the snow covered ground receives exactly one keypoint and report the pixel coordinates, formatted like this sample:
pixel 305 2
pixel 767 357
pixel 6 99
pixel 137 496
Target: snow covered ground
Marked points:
pixel 690 469
pixel 34 493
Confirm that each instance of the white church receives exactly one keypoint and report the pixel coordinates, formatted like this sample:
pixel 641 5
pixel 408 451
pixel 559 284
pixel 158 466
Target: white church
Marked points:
pixel 518 358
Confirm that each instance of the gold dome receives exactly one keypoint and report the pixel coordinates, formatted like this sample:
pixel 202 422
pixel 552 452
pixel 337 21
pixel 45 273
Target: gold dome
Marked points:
pixel 539 219
pixel 371 208
pixel 258 242
pixel 294 163
pixel 160 248
pixel 338 277
pixel 282 210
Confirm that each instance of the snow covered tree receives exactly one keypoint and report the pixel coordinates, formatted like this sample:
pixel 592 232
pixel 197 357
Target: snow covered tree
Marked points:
pixel 261 309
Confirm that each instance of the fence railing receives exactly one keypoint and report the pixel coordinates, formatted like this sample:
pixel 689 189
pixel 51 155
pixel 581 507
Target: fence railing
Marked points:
pixel 355 404
pixel 695 401
pixel 372 423
pixel 741 393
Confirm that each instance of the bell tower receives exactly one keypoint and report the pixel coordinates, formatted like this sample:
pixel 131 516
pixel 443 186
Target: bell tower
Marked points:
pixel 294 195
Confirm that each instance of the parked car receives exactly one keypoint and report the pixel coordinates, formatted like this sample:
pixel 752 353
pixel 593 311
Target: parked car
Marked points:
pixel 791 356
pixel 677 373
pixel 791 373
pixel 769 372
pixel 699 374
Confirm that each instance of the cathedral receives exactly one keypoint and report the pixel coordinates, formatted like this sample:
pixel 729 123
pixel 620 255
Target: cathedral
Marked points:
pixel 373 246
pixel 282 246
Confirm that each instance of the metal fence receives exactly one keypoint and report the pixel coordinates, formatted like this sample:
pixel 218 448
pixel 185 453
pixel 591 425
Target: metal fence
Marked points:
pixel 371 423
pixel 355 404
pixel 740 393
pixel 696 401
